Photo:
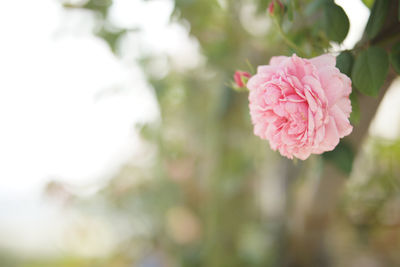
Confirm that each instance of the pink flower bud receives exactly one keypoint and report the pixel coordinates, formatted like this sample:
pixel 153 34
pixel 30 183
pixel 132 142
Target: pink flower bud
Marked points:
pixel 240 76
pixel 271 7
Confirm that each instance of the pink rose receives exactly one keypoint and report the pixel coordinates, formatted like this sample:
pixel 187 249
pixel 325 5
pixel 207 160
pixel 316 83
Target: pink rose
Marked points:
pixel 301 106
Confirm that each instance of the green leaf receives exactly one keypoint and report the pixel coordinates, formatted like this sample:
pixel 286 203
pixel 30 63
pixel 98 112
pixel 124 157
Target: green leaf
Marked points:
pixel 355 109
pixel 377 18
pixel 344 62
pixel 395 57
pixel 370 70
pixel 335 22
pixel 342 157
pixel 314 6
pixel 368 3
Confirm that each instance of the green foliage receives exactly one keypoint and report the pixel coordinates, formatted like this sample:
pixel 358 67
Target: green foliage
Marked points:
pixel 313 6
pixel 355 109
pixel 111 36
pixel 332 21
pixel 395 57
pixel 377 18
pixel 99 6
pixel 344 62
pixel 368 3
pixel 109 33
pixel 342 157
pixel 370 70
pixel 335 22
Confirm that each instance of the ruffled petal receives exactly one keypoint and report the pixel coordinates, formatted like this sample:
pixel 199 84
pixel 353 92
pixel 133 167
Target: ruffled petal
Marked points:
pixel 323 61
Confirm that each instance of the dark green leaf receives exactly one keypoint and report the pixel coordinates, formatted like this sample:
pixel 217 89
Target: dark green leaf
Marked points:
pixel 355 109
pixel 344 62
pixel 395 57
pixel 370 70
pixel 314 6
pixel 377 18
pixel 335 22
pixel 342 157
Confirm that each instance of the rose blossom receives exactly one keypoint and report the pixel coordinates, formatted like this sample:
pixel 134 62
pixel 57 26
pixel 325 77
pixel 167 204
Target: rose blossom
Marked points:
pixel 300 105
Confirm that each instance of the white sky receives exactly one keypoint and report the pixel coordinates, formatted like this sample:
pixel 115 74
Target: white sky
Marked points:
pixel 53 122
pixel 59 115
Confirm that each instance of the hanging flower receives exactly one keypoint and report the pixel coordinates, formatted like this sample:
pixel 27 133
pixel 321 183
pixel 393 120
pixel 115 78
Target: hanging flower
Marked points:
pixel 301 106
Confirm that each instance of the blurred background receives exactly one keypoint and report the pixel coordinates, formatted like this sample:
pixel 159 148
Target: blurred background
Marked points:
pixel 122 143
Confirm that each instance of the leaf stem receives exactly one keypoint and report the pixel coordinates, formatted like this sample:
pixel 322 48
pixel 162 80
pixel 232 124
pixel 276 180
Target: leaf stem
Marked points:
pixel 250 66
pixel 287 40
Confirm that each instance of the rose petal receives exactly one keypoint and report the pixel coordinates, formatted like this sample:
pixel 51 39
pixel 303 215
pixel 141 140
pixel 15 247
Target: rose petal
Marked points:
pixel 341 121
pixel 323 61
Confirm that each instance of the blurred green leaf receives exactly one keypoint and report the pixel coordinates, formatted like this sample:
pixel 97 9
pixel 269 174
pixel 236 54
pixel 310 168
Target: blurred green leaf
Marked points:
pixel 344 62
pixel 335 22
pixel 395 57
pixel 377 18
pixel 342 157
pixel 314 6
pixel 355 109
pixel 111 36
pixel 368 3
pixel 370 70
